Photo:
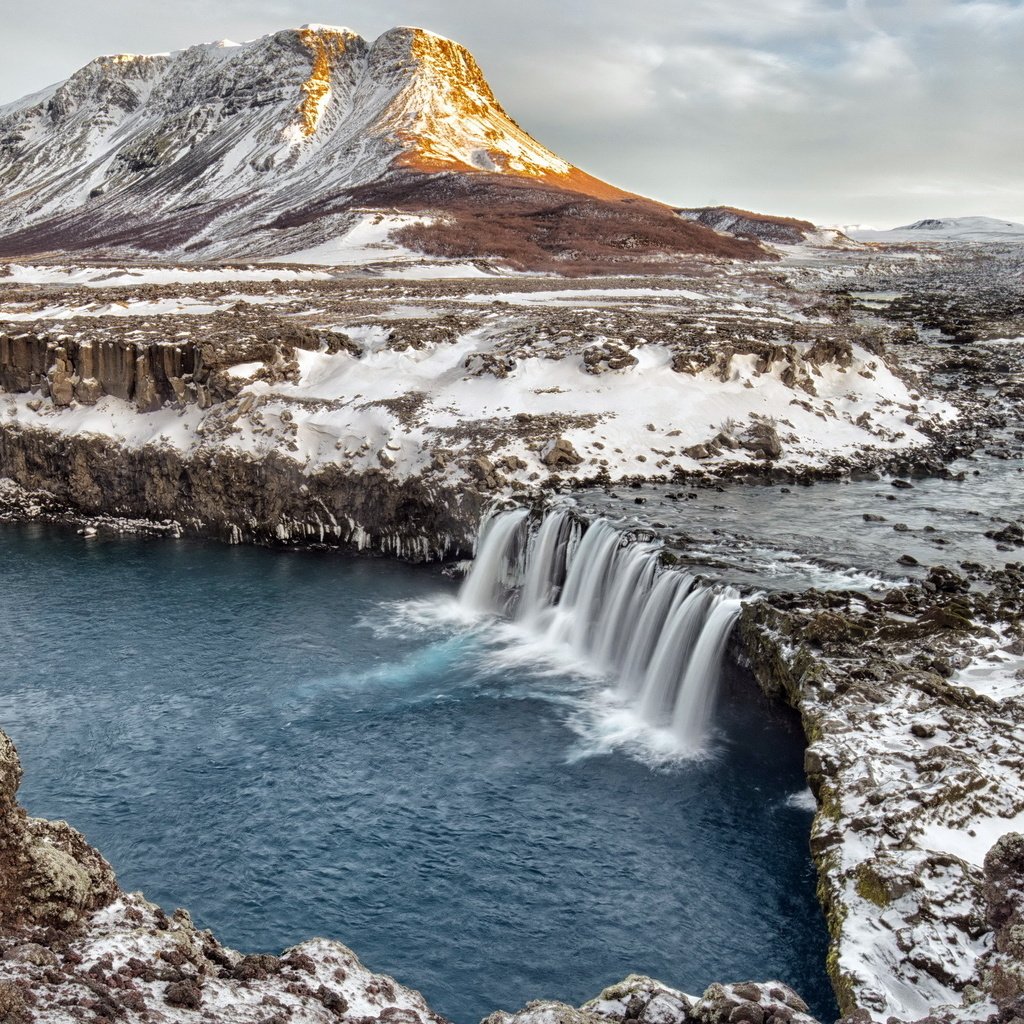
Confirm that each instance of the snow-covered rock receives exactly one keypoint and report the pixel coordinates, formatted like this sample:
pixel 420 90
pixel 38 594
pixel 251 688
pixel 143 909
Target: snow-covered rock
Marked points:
pixel 917 778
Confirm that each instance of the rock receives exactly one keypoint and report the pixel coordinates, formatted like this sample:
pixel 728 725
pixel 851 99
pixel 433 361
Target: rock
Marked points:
pixel 484 472
pixel 13 1008
pixel 545 1012
pixel 608 356
pixel 187 994
pixel 31 953
pixel 52 877
pixel 641 998
pixel 559 452
pixel 1004 898
pixel 88 391
pixel 256 967
pixel 902 485
pixel 751 1003
pixel 147 398
pixel 946 581
pixel 1011 534
pixel 763 440
pixel 61 382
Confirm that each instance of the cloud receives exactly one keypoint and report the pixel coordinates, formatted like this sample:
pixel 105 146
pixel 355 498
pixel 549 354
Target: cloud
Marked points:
pixel 840 110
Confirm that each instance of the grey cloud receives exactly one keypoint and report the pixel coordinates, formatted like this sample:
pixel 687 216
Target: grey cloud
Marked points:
pixel 840 110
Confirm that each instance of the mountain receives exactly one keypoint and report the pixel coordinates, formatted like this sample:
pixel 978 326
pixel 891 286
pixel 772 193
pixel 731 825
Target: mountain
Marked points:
pixel 943 229
pixel 762 227
pixel 284 143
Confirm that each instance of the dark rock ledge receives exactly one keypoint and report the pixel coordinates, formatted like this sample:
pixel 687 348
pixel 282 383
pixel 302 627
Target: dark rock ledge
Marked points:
pixel 230 496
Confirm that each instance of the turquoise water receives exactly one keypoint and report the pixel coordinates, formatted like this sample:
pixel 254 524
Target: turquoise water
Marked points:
pixel 299 744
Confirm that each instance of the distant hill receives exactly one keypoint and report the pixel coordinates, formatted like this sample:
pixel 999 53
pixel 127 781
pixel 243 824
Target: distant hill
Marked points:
pixel 963 229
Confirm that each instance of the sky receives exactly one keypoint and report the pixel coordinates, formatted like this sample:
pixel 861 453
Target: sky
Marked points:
pixel 875 112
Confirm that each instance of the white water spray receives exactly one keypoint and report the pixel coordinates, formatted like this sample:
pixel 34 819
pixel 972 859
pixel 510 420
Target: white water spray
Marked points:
pixel 657 631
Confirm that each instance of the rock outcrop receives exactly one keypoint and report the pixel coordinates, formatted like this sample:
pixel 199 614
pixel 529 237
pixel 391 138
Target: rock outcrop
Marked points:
pixel 241 499
pixel 646 1001
pixel 49 876
pixel 916 776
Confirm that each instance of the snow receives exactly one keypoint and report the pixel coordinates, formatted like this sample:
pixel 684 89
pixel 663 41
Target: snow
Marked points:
pixel 158 307
pixel 964 229
pixel 243 371
pixel 340 397
pixel 581 298
pixel 410 97
pixel 110 417
pixel 367 241
pixel 119 277
pixel 971 841
pixel 997 672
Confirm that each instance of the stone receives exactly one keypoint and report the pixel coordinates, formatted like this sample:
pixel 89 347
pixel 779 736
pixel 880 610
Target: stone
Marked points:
pixel 52 877
pixel 558 453
pixel 88 391
pixel 763 440
pixel 187 994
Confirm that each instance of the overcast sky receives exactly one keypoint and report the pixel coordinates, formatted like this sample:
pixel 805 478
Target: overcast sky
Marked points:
pixel 843 111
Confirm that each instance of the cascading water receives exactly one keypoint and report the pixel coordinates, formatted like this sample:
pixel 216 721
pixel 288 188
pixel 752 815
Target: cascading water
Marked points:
pixel 493 574
pixel 658 631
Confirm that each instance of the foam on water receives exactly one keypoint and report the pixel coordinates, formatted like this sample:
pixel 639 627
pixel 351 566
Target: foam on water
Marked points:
pixel 592 599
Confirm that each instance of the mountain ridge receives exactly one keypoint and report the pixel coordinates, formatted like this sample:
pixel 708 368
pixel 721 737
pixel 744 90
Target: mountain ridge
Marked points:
pixel 205 152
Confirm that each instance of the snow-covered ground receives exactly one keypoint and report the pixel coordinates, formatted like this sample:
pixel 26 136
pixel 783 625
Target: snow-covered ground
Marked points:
pixel 397 408
pixel 119 277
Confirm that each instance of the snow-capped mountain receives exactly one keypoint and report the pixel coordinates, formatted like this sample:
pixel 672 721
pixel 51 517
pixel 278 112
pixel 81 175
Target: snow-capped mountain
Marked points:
pixel 268 147
pixel 962 229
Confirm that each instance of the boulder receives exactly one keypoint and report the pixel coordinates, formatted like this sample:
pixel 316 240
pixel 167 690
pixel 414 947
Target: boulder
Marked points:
pixel 763 440
pixel 559 452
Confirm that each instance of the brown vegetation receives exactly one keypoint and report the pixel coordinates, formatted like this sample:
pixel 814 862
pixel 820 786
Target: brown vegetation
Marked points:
pixel 532 226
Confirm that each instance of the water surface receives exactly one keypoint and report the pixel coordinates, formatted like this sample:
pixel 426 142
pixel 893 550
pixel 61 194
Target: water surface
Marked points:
pixel 299 744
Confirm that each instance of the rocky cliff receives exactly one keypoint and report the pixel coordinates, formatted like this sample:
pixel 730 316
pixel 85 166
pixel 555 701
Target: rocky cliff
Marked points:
pixel 917 777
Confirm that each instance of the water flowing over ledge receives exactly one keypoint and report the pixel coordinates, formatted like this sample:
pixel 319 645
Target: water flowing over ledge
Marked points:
pixel 590 587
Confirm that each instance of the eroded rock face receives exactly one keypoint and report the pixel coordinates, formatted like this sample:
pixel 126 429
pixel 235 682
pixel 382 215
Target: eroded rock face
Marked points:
pixel 240 499
pixel 915 776
pixel 49 875
pixel 1004 898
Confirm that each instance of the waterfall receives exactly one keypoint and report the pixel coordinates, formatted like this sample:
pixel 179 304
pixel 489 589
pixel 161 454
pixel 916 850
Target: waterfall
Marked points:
pixel 493 574
pixel 657 631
